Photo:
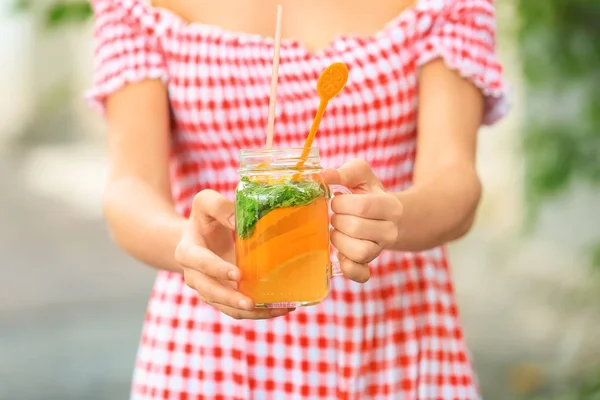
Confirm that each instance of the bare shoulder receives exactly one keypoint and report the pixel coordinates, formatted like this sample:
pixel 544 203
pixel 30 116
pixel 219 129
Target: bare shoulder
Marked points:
pixel 183 8
pixel 166 4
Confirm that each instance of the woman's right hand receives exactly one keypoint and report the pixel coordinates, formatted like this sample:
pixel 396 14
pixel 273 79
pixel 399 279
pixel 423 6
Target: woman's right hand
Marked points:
pixel 206 253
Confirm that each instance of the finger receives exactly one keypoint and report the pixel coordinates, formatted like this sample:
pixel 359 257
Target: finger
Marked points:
pixel 354 174
pixel 203 260
pixel 357 250
pixel 215 292
pixel 354 271
pixel 331 176
pixel 370 206
pixel 210 206
pixel 257 313
pixel 384 233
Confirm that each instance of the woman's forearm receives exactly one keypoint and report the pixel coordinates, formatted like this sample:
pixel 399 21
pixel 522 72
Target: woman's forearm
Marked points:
pixel 439 210
pixel 143 223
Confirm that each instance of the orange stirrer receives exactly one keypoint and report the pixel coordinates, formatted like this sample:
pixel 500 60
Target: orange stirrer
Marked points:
pixel 331 82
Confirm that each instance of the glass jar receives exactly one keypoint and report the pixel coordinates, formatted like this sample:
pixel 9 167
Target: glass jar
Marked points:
pixel 282 228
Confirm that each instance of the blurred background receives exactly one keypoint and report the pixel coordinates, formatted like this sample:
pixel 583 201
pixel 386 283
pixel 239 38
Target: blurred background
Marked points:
pixel 527 276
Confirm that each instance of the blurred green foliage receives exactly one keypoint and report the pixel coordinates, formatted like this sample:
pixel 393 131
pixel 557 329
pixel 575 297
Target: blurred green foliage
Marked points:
pixel 560 51
pixel 57 13
pixel 589 389
pixel 559 42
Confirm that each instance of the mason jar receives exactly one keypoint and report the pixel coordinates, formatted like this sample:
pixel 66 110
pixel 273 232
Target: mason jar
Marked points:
pixel 282 228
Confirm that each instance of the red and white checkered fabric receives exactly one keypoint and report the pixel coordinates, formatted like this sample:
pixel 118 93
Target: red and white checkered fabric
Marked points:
pixel 396 337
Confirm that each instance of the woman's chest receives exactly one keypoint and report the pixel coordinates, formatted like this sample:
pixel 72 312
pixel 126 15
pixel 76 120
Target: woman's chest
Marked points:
pixel 312 22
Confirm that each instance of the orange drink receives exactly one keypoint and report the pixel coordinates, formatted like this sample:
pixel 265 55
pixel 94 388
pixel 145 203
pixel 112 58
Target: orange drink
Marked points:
pixel 282 229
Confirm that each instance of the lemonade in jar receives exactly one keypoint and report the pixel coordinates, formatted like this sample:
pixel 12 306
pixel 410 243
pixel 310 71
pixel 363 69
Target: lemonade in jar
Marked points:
pixel 282 228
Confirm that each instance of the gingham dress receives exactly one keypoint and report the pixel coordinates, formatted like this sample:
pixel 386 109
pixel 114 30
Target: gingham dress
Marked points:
pixel 397 336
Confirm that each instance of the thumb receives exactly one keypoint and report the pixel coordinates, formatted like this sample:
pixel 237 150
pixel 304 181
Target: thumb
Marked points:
pixel 355 174
pixel 210 207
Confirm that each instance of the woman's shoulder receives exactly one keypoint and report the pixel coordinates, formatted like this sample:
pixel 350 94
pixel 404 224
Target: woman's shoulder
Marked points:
pixel 138 7
pixel 125 50
pixel 446 7
pixel 463 34
pixel 183 9
pixel 108 8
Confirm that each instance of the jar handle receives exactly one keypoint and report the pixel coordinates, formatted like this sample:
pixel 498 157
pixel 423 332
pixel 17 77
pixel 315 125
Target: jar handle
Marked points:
pixel 335 263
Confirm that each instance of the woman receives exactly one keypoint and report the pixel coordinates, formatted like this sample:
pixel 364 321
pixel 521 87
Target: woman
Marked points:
pixel 184 85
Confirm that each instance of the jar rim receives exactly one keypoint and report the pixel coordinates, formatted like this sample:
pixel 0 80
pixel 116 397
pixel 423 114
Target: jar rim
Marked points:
pixel 260 151
pixel 279 159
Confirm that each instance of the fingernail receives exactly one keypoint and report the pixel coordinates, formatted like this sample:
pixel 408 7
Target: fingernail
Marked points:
pixel 232 221
pixel 244 304
pixel 233 275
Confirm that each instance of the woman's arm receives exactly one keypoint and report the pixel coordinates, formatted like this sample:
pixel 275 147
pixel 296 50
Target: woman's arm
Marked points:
pixel 140 213
pixel 137 201
pixel 441 205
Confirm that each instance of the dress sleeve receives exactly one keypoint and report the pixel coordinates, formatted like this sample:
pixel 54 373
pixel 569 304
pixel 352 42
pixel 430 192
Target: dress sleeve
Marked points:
pixel 123 53
pixel 463 34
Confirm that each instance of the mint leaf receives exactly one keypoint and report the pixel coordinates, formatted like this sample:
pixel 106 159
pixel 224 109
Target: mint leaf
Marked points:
pixel 254 200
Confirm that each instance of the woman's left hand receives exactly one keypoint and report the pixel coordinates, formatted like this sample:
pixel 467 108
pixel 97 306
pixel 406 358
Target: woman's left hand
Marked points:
pixel 365 222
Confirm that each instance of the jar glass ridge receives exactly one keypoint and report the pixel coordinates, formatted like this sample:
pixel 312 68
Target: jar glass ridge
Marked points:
pixel 252 161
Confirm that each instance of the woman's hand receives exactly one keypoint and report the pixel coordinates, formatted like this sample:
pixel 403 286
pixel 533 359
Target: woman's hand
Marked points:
pixel 207 254
pixel 364 223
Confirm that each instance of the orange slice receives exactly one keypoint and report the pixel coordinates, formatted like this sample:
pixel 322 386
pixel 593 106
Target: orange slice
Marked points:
pixel 281 248
pixel 302 278
pixel 285 219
